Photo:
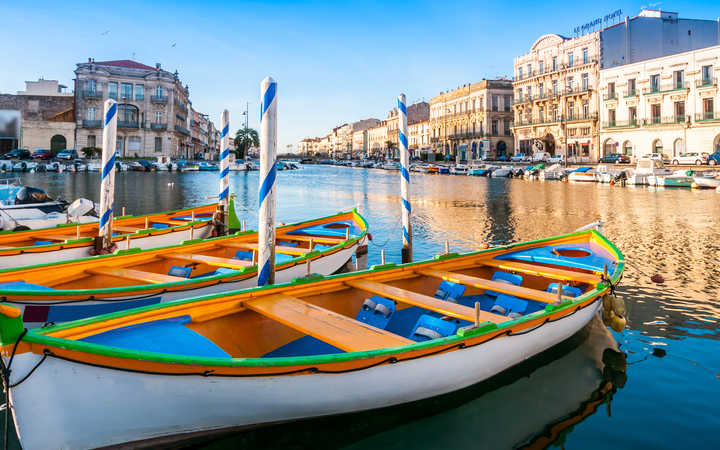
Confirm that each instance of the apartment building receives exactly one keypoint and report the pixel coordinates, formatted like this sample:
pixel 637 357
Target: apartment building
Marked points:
pixel 472 121
pixel 417 112
pixel 153 108
pixel 666 105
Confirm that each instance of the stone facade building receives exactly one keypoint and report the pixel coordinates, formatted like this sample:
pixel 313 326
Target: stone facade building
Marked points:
pixel 417 112
pixel 419 138
pixel 153 108
pixel 472 121
pixel 666 105
pixel 42 116
pixel 556 102
pixel 377 138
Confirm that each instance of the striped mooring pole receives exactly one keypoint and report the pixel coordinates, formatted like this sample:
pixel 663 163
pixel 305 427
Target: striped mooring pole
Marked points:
pixel 404 179
pixel 107 183
pixel 267 191
pixel 224 167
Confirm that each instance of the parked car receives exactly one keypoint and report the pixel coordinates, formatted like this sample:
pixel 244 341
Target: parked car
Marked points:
pixel 556 159
pixel 691 158
pixel 714 158
pixel 615 158
pixel 19 153
pixel 68 154
pixel 659 157
pixel 502 158
pixel 518 157
pixel 41 153
pixel 540 156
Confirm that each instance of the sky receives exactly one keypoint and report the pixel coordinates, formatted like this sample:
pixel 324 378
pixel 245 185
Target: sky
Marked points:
pixel 335 62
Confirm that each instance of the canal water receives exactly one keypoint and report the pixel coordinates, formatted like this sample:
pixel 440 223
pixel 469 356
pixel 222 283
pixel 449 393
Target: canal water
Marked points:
pixel 665 391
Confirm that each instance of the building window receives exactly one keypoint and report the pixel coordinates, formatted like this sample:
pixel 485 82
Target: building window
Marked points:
pixel 611 90
pixel 611 117
pixel 654 83
pixel 707 75
pixel 627 148
pixel 158 116
pixel 554 113
pixel 529 97
pixel 571 111
pixel 655 111
pixel 586 58
pixel 554 88
pixel 139 92
pixel 632 115
pixel 586 109
pixel 542 67
pixel 542 89
pixel 508 103
pixel 494 127
pixel 657 146
pixel 631 87
pixel 541 114
pixel 91 114
pixel 158 91
pixel 571 59
pixel 134 143
pixel 126 91
pixel 554 63
pixel 91 141
pixel 112 89
pixel 679 112
pixel 520 76
pixel 679 79
pixel 570 83
pixel 529 68
pixel 585 85
pixel 92 86
pixel 158 144
pixel 506 128
pixel 708 110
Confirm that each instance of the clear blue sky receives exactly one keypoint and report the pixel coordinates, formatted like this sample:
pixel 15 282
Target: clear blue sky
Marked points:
pixel 334 61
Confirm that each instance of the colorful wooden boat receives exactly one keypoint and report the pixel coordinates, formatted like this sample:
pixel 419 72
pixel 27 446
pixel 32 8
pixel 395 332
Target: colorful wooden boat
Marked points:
pixel 314 347
pixel 582 174
pixel 73 240
pixel 69 290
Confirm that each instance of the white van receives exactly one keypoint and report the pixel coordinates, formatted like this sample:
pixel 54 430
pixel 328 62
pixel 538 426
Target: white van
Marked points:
pixel 541 156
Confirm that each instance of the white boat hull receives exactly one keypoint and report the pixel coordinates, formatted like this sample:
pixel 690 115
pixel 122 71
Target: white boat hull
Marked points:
pixel 705 182
pixel 501 173
pixel 582 177
pixel 82 406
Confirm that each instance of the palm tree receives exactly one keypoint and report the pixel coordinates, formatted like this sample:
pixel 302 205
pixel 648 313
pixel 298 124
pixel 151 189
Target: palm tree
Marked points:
pixel 390 145
pixel 244 139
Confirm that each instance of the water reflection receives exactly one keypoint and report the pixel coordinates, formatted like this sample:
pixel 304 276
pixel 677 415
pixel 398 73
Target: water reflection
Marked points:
pixel 669 232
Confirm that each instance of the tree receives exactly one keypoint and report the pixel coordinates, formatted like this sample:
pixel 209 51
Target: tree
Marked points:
pixel 391 145
pixel 244 139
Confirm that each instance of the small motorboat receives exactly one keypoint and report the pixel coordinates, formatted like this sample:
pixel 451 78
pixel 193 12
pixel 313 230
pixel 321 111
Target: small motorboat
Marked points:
pixel 501 172
pixel 711 181
pixel 554 172
pixel 317 346
pixel 443 170
pixel 480 170
pixel 94 165
pixel 582 174
pixel 679 178
pixel 142 166
pixel 163 164
pixel 432 168
pixel 644 169
pixel 131 277
pixel 205 166
pixel 459 169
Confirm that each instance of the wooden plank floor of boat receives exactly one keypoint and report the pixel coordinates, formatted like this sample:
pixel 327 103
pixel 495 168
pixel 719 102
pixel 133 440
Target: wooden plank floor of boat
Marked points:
pixel 424 301
pixel 135 275
pixel 481 283
pixel 328 326
pixel 542 271
pixel 209 260
pixel 278 248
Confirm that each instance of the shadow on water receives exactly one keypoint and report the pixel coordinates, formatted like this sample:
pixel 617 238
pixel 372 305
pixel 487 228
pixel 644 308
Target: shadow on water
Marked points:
pixel 564 385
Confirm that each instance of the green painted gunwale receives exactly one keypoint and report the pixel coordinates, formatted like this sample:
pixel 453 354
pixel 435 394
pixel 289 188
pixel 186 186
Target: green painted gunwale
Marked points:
pixel 39 335
pixel 189 281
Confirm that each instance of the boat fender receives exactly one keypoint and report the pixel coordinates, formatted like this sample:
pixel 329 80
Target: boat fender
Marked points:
pixel 618 305
pixel 618 323
pixel 369 305
pixel 369 235
pixel 498 309
pixel 607 302
pixel 382 309
pixel 428 333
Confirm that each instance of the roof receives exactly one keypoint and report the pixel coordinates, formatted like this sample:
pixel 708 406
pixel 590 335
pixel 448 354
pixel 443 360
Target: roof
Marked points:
pixel 126 63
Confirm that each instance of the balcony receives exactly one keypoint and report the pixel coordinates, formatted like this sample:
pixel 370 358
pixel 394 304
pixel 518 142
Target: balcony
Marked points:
pixel 660 89
pixel 92 94
pixel 127 124
pixel 159 99
pixel 707 116
pixel 610 96
pixel 180 117
pixel 158 126
pixel 576 90
pixel 139 97
pixel 706 83
pixel 181 106
pixel 677 119
pixel 631 93
pixel 92 123
pixel 182 130
pixel 621 124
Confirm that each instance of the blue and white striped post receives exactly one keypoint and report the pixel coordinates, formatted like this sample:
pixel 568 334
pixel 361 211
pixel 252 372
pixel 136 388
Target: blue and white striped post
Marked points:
pixel 224 166
pixel 107 183
pixel 404 179
pixel 268 171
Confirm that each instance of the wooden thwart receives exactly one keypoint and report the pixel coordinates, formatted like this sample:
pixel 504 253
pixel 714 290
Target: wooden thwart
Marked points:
pixel 135 275
pixel 542 271
pixel 209 260
pixel 481 283
pixel 325 325
pixel 315 239
pixel 126 229
pixel 424 301
pixel 278 248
